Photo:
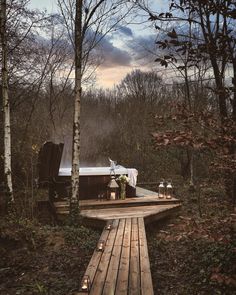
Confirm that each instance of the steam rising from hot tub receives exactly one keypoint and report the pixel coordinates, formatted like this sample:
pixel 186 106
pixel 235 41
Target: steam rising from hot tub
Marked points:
pixel 96 129
pixel 101 161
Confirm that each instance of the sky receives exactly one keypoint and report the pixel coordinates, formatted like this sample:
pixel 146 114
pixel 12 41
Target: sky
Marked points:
pixel 123 50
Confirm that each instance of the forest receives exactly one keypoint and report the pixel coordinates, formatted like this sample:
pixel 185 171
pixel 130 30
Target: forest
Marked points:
pixel 173 121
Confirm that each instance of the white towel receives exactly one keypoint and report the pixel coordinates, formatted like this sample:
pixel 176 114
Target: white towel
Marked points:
pixel 132 174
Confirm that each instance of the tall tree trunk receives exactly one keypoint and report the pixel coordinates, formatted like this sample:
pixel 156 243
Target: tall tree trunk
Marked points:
pixel 222 96
pixel 210 40
pixel 78 92
pixel 234 119
pixel 192 167
pixel 190 151
pixel 234 91
pixel 6 109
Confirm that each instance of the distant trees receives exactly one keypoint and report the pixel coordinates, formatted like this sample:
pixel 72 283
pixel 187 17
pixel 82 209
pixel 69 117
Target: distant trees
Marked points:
pixel 22 57
pixel 19 27
pixel 142 86
pixel 207 34
pixel 204 37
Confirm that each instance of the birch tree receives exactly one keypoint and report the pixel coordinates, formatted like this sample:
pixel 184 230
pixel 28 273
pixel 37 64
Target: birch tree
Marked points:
pixel 96 14
pixel 6 109
pixel 78 92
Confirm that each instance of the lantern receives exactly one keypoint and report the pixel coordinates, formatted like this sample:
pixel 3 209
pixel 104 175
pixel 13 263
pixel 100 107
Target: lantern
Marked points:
pixel 113 189
pixel 101 245
pixel 169 190
pixel 85 284
pixel 161 190
pixel 108 226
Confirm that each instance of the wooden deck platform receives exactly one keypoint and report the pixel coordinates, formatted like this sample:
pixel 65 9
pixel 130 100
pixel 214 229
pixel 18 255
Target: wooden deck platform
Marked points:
pixel 129 212
pixel 123 267
pixel 143 197
pixel 146 205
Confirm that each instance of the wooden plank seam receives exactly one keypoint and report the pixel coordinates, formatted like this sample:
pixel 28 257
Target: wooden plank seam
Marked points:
pixel 114 263
pixel 100 276
pixel 124 263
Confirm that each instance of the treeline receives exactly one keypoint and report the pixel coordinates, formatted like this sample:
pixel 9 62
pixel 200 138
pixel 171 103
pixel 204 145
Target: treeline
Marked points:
pixel 116 123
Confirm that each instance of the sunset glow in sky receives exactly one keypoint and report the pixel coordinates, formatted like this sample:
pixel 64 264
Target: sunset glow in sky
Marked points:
pixel 123 50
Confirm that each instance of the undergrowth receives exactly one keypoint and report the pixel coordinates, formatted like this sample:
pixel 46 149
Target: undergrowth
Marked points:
pixel 194 254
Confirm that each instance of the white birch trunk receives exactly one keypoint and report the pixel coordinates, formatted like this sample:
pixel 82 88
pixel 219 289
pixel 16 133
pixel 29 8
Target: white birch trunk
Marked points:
pixel 78 91
pixel 6 107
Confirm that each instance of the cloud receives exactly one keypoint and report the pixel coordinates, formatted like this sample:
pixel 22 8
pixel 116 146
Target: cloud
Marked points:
pixel 125 30
pixel 107 50
pixel 135 51
pixel 143 48
pixel 112 55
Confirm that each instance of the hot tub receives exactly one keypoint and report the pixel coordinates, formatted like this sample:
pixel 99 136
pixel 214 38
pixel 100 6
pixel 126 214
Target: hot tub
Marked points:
pixel 93 180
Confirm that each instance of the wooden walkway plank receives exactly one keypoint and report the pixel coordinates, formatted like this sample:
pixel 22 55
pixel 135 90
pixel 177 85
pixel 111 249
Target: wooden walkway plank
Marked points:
pixel 100 276
pixel 110 283
pixel 123 274
pixel 146 278
pixel 134 269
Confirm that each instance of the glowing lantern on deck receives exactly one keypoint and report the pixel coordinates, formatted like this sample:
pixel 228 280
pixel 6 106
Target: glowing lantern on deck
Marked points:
pixel 113 189
pixel 161 190
pixel 85 284
pixel 101 245
pixel 169 190
pixel 108 226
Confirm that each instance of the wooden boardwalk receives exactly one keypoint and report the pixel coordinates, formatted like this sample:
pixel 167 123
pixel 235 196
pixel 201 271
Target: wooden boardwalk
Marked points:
pixel 123 267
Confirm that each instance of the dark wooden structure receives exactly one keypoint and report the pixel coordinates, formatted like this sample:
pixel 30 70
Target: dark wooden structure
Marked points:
pixel 49 160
